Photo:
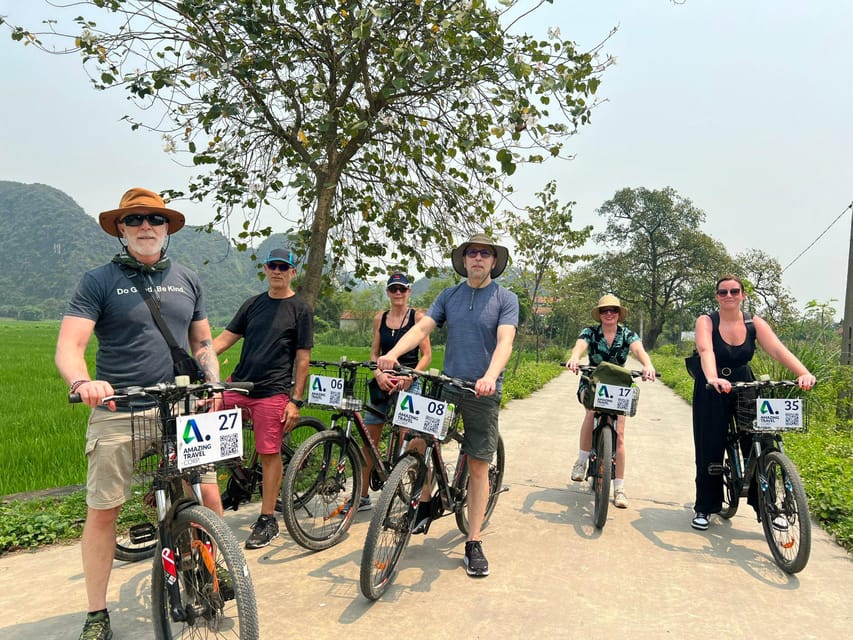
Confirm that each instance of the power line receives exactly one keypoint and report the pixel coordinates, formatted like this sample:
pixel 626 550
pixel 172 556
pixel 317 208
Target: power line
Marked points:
pixel 823 233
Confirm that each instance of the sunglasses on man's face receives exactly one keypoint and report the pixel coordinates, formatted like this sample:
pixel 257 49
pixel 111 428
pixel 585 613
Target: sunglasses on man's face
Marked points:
pixel 278 266
pixel 608 310
pixel 136 219
pixel 723 292
pixel 483 253
pixel 397 289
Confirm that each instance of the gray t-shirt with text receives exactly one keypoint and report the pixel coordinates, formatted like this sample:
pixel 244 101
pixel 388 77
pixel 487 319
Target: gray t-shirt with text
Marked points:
pixel 131 349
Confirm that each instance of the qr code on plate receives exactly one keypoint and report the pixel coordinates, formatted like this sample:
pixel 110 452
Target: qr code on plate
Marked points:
pixel 623 404
pixel 229 445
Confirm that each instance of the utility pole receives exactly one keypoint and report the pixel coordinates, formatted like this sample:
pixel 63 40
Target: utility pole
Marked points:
pixel 844 408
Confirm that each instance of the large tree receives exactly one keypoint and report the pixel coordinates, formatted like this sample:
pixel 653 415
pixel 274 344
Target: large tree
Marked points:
pixel 379 129
pixel 662 259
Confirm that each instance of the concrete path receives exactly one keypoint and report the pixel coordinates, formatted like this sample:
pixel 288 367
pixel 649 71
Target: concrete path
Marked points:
pixel 647 574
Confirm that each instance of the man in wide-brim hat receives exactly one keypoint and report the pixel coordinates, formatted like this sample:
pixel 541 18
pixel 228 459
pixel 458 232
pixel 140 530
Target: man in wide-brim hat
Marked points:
pixel 481 318
pixel 131 351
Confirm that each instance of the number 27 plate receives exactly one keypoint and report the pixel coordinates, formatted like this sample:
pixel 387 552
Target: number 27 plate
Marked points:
pixel 205 438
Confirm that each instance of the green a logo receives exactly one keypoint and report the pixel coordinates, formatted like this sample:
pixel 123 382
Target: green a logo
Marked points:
pixel 407 404
pixel 196 433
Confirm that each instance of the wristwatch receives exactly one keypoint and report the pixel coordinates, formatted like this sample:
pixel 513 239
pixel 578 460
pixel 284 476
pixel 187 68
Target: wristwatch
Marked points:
pixel 298 403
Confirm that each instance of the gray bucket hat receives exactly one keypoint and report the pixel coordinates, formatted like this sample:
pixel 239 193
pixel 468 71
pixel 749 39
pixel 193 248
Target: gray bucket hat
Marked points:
pixel 501 255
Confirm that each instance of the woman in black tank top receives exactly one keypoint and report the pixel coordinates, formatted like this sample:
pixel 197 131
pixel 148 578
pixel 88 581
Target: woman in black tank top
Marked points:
pixel 388 327
pixel 725 340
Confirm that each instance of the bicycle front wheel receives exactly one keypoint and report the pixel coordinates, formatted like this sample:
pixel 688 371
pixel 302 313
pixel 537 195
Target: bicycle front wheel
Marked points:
pixel 602 472
pixel 322 482
pixel 785 513
pixel 496 476
pixel 391 526
pixel 216 593
pixel 731 490
pixel 304 429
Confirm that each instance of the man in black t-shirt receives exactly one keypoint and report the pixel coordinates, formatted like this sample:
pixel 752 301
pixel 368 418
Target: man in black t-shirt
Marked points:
pixel 277 328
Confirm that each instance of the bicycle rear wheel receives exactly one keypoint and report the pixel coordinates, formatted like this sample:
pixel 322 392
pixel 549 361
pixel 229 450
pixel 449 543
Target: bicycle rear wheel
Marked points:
pixel 602 472
pixel 217 597
pixel 139 541
pixel 731 491
pixel 785 513
pixel 391 526
pixel 496 476
pixel 323 477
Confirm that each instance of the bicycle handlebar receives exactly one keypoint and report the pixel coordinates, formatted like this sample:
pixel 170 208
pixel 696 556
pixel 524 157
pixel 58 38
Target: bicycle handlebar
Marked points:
pixel 168 389
pixel 759 384
pixel 432 374
pixel 589 368
pixel 344 363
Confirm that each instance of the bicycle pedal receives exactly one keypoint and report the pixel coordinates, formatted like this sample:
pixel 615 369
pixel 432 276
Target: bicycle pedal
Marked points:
pixel 143 532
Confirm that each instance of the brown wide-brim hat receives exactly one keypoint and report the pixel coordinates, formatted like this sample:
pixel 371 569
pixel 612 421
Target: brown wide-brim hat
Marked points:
pixel 139 200
pixel 501 255
pixel 609 301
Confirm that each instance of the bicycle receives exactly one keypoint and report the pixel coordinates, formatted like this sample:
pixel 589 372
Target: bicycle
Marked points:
pixel 425 417
pixel 608 401
pixel 244 481
pixel 763 411
pixel 321 489
pixel 200 582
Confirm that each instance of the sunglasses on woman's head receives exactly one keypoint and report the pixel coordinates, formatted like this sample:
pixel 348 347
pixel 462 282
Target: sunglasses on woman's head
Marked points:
pixel 136 219
pixel 733 292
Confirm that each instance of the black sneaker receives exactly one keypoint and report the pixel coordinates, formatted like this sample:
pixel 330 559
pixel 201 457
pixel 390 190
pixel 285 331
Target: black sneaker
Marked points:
pixel 264 531
pixel 475 562
pixel 97 627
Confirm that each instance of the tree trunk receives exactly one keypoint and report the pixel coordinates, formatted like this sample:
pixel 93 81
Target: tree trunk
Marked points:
pixel 326 190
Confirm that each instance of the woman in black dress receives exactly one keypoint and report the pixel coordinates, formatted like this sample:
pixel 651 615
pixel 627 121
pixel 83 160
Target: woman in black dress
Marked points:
pixel 725 340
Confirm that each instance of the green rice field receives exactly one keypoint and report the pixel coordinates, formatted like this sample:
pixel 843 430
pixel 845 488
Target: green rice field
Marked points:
pixel 42 435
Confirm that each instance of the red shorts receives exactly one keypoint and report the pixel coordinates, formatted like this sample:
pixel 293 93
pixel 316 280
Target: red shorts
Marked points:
pixel 266 415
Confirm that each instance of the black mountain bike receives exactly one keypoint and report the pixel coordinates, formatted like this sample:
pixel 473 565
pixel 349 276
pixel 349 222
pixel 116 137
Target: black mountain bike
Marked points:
pixel 244 480
pixel 436 424
pixel 608 402
pixel 200 584
pixel 323 483
pixel 763 410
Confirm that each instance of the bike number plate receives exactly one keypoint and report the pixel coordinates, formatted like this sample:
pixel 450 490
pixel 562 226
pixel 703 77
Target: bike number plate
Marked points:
pixel 419 413
pixel 613 397
pixel 325 390
pixel 205 438
pixel 779 414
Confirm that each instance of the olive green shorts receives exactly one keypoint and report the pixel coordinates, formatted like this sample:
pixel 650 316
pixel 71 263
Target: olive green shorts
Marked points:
pixel 480 424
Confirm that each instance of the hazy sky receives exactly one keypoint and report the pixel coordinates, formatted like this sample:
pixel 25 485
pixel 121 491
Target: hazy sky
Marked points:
pixel 741 106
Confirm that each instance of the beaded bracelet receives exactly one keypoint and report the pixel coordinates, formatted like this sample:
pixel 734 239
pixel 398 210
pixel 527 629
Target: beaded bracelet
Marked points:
pixel 77 384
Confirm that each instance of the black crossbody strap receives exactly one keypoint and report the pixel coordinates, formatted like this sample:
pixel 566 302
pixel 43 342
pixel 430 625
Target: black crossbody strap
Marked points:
pixel 158 318
pixel 155 312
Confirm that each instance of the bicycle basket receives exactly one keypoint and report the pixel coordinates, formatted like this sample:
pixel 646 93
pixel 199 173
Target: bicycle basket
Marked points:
pixel 769 409
pixel 349 389
pixel 607 384
pixel 145 440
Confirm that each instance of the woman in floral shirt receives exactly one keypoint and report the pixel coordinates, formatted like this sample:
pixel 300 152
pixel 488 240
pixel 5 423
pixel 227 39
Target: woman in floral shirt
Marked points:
pixel 607 341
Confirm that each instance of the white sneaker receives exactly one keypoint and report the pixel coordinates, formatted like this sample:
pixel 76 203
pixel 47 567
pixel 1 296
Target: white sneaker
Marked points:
pixel 579 470
pixel 619 499
pixel 780 523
